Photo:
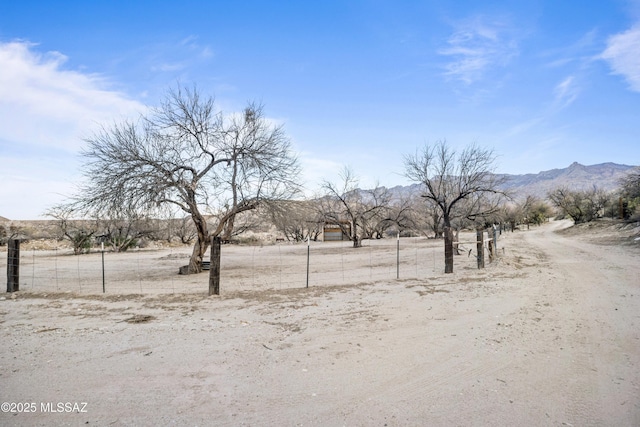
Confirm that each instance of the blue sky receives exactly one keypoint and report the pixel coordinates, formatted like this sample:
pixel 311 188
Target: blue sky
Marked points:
pixel 358 83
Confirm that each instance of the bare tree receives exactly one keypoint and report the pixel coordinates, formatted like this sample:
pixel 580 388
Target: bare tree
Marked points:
pixel 425 217
pixel 351 208
pixel 403 214
pixel 181 228
pixel 186 154
pixel 395 216
pixel 297 220
pixel 434 219
pixel 79 233
pixel 459 185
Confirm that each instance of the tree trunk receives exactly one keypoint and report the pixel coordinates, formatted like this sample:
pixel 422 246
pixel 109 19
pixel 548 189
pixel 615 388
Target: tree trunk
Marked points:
pixel 201 245
pixel 448 250
pixel 354 234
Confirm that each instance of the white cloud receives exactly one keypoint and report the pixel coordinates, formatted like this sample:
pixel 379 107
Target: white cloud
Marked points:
pixel 191 44
pixel 43 104
pixel 623 55
pixel 475 47
pixel 523 127
pixel 168 67
pixel 45 111
pixel 566 92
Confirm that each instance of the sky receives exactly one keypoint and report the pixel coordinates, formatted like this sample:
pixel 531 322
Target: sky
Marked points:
pixel 354 83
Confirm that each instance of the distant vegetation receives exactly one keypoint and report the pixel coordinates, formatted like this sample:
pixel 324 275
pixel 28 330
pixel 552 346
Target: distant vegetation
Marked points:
pixel 589 205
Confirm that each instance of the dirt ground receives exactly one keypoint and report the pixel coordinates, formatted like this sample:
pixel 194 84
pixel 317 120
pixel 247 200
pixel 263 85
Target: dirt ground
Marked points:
pixel 549 334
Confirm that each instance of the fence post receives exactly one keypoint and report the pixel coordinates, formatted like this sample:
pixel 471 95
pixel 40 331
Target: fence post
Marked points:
pixel 214 269
pixel 491 250
pixel 495 240
pixel 309 254
pixel 13 265
pixel 480 247
pixel 398 257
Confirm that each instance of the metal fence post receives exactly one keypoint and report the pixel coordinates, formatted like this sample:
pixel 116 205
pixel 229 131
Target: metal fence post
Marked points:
pixel 103 282
pixel 398 257
pixel 308 254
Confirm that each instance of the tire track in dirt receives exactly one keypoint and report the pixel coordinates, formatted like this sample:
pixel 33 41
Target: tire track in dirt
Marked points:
pixel 597 338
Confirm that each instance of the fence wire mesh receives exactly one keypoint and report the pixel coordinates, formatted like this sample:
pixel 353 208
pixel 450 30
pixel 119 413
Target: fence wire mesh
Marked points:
pixel 243 268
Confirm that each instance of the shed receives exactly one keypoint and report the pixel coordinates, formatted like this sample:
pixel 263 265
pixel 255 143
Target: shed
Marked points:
pixel 332 232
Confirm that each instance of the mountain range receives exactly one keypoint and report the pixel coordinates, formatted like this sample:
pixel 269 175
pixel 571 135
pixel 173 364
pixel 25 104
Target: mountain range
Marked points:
pixel 576 177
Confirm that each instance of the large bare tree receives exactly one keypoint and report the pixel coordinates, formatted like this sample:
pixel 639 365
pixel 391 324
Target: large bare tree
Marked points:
pixel 461 185
pixel 187 154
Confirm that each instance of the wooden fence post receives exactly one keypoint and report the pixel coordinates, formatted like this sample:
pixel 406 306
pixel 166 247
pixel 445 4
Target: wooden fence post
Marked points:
pixel 495 240
pixel 13 265
pixel 480 247
pixel 491 250
pixel 214 269
pixel 493 245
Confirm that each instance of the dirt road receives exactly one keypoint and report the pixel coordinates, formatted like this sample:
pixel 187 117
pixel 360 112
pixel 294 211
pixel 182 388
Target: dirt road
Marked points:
pixel 547 335
pixel 594 353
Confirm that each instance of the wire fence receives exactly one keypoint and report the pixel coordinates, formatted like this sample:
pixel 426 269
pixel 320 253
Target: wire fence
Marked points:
pixel 243 268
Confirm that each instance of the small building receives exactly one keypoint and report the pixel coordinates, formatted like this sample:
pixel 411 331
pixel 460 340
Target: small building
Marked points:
pixel 332 232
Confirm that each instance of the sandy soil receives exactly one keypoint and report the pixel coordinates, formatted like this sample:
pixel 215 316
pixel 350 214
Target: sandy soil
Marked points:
pixel 547 335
